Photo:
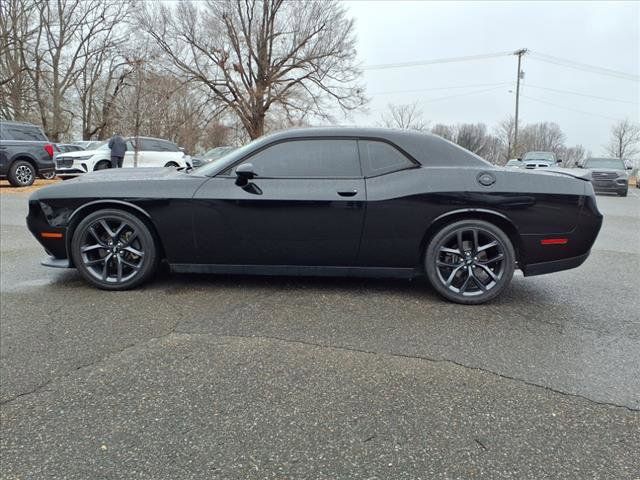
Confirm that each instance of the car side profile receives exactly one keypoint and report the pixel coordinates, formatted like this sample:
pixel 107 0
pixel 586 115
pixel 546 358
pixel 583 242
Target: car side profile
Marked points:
pixel 151 152
pixel 323 201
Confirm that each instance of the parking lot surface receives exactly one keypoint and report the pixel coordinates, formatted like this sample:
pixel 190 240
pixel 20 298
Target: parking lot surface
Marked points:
pixel 260 377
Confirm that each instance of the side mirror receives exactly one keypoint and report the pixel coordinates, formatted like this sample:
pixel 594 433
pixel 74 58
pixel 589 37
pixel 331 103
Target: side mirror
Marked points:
pixel 244 173
pixel 520 158
pixel 559 160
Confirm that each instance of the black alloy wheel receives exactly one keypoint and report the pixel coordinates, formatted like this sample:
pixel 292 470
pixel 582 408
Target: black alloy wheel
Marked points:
pixel 470 261
pixel 21 174
pixel 114 250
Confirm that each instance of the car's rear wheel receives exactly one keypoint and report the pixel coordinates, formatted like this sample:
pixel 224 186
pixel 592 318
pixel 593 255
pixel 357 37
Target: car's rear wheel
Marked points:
pixel 21 174
pixel 470 261
pixel 114 250
pixel 102 165
pixel 622 193
pixel 48 176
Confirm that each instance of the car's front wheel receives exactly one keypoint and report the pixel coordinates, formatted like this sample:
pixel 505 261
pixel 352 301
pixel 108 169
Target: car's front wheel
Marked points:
pixel 21 174
pixel 170 164
pixel 102 165
pixel 470 261
pixel 114 250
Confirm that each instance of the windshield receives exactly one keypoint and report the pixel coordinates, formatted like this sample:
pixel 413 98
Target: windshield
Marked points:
pixel 547 156
pixel 98 146
pixel 514 163
pixel 614 163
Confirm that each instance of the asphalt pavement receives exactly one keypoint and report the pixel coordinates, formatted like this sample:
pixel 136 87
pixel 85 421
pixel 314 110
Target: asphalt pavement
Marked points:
pixel 258 377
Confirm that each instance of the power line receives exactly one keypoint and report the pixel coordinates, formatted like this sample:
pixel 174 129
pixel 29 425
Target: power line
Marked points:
pixel 461 94
pixel 441 88
pixel 584 66
pixel 581 94
pixel 385 66
pixel 567 108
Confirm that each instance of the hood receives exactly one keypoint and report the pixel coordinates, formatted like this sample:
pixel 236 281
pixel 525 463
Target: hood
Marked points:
pixel 127 174
pixel 606 170
pixel 83 153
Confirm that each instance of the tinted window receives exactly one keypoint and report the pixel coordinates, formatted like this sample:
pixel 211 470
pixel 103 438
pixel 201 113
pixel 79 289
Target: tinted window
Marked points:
pixel 379 158
pixel 308 159
pixel 22 132
pixel 155 145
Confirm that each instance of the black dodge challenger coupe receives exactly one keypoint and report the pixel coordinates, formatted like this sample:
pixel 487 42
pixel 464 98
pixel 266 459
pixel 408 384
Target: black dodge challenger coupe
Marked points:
pixel 323 201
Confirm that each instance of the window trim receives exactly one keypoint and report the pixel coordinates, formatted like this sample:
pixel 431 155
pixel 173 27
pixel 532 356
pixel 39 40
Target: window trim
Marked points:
pixel 249 155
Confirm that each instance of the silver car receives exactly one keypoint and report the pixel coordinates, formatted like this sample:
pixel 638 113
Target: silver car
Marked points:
pixel 608 175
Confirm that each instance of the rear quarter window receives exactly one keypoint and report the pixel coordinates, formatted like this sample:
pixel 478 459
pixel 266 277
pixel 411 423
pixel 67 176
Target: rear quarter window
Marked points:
pixel 379 158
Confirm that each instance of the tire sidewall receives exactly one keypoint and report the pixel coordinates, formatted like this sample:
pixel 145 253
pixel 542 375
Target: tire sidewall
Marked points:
pixel 150 260
pixel 13 180
pixel 102 165
pixel 431 269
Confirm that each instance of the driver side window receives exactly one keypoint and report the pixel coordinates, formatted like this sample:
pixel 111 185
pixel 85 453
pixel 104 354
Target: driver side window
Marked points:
pixel 324 158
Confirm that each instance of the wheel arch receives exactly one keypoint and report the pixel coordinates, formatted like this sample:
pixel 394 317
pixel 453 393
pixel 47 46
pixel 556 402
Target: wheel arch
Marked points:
pixel 25 158
pixel 498 219
pixel 81 212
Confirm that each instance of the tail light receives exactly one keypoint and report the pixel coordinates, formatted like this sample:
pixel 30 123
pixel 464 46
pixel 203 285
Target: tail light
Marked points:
pixel 49 149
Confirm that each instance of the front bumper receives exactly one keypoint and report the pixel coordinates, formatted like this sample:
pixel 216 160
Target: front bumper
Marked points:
pixel 610 186
pixel 56 262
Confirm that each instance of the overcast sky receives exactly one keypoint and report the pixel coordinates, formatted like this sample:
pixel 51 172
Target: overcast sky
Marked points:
pixel 603 34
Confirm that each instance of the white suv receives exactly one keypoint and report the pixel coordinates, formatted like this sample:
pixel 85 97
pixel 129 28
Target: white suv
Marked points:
pixel 152 152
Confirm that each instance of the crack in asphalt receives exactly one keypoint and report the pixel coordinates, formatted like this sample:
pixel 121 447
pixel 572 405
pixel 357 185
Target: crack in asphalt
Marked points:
pixel 174 331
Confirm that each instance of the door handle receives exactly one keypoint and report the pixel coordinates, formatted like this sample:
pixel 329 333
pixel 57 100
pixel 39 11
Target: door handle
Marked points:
pixel 348 193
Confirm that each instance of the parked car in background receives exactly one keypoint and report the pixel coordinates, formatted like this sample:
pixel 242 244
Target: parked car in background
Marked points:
pixel 152 152
pixel 324 201
pixel 608 175
pixel 532 160
pixel 210 155
pixel 88 144
pixel 25 153
pixel 514 163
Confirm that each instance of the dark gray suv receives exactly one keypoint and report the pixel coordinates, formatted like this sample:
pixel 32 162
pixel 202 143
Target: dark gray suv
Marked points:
pixel 25 153
pixel 608 175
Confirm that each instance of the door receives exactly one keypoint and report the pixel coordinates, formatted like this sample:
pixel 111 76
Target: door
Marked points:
pixel 129 155
pixel 304 207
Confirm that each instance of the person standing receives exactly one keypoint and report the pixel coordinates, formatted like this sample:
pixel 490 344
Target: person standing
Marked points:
pixel 118 147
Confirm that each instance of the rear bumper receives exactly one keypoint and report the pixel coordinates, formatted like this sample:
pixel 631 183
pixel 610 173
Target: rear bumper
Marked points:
pixel 554 265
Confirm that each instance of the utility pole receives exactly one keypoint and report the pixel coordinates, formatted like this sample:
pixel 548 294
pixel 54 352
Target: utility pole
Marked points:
pixel 519 53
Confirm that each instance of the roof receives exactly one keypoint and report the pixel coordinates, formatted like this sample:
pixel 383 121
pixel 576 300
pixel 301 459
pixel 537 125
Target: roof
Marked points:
pixel 426 148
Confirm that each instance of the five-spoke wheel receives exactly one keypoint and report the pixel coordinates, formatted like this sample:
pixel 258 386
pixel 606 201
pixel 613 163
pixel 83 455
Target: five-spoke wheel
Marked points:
pixel 114 249
pixel 470 261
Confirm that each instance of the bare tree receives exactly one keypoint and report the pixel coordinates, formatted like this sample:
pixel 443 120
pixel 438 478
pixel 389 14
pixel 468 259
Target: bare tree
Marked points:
pixel 16 31
pixel 505 132
pixel 445 131
pixel 405 117
pixel 544 136
pixel 625 140
pixel 254 55
pixel 572 156
pixel 69 33
pixel 473 137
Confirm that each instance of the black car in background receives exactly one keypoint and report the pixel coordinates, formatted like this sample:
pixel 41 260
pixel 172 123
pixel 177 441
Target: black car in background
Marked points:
pixel 25 153
pixel 608 175
pixel 323 201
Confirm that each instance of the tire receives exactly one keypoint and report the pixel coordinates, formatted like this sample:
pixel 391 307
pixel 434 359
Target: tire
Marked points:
pixel 171 164
pixel 48 176
pixel 623 193
pixel 114 250
pixel 102 165
pixel 21 174
pixel 474 272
